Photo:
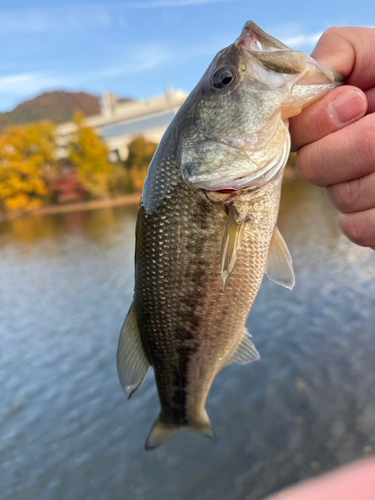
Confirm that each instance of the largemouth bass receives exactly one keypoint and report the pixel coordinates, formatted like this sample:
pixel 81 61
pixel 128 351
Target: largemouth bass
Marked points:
pixel 206 230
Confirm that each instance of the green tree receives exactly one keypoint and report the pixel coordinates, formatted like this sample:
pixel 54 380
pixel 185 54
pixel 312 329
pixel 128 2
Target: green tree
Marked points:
pixel 89 154
pixel 141 152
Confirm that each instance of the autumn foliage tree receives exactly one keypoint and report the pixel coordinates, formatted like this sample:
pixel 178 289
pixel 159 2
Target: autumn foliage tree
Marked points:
pixel 141 152
pixel 26 154
pixel 31 175
pixel 89 154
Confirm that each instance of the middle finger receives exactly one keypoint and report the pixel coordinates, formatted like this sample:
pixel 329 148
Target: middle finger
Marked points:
pixel 341 156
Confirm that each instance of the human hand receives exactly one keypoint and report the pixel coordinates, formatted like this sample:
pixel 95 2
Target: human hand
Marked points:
pixel 354 482
pixel 335 137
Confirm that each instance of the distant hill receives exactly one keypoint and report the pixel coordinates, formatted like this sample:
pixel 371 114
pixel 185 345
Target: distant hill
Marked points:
pixel 58 106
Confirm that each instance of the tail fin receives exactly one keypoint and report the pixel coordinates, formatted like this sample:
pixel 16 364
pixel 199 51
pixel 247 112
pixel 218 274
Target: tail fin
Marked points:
pixel 161 432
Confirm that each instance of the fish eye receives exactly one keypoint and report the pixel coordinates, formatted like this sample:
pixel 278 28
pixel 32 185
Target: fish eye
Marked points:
pixel 222 77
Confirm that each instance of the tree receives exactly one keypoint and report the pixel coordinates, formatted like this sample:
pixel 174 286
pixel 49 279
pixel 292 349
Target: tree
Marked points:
pixel 141 152
pixel 89 154
pixel 26 155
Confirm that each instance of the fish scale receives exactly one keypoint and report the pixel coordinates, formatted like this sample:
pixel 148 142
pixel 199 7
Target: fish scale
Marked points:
pixel 183 314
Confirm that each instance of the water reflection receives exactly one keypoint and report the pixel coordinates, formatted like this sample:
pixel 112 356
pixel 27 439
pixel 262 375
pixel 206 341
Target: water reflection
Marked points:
pixel 94 225
pixel 67 430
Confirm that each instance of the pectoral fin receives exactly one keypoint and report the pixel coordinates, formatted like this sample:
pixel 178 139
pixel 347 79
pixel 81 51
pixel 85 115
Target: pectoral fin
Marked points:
pixel 246 352
pixel 279 264
pixel 132 364
pixel 230 245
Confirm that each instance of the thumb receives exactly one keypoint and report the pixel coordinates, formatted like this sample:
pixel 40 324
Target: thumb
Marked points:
pixel 339 108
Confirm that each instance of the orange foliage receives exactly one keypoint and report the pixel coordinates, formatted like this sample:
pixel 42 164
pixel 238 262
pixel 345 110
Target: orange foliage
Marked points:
pixel 30 175
pixel 26 154
pixel 141 152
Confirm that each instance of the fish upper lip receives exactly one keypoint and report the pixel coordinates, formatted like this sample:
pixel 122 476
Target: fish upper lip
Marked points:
pixel 252 34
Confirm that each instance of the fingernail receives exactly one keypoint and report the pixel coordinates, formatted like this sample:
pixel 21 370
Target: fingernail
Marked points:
pixel 348 106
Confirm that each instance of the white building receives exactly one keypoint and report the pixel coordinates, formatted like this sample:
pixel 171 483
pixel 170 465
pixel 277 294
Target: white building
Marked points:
pixel 119 122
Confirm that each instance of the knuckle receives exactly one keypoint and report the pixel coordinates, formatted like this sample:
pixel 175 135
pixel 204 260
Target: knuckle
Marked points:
pixel 358 228
pixel 365 144
pixel 332 32
pixel 308 164
pixel 346 195
pixel 353 192
pixel 350 228
pixel 335 195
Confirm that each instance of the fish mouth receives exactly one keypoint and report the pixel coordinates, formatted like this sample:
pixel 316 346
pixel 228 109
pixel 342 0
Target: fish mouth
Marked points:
pixel 254 38
pixel 276 56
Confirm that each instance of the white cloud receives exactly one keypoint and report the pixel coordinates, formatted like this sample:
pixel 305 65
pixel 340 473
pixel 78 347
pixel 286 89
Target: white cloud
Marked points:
pixel 67 18
pixel 303 40
pixel 55 19
pixel 139 60
pixel 26 83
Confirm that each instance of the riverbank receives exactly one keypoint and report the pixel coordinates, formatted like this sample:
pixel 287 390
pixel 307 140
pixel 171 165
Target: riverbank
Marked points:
pixel 127 199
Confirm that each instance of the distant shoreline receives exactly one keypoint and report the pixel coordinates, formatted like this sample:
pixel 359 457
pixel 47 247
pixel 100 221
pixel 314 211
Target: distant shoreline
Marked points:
pixel 127 199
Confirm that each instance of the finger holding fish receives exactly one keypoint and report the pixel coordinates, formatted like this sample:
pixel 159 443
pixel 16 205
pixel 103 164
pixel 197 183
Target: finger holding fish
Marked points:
pixel 341 156
pixel 353 196
pixel 340 108
pixel 350 51
pixel 359 227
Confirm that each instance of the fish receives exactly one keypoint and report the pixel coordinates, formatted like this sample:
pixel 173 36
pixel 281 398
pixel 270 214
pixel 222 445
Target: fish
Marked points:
pixel 206 229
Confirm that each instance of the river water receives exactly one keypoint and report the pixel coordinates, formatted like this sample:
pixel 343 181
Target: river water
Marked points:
pixel 67 430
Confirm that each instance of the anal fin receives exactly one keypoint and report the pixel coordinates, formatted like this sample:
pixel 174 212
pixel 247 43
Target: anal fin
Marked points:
pixel 246 352
pixel 279 263
pixel 230 245
pixel 132 364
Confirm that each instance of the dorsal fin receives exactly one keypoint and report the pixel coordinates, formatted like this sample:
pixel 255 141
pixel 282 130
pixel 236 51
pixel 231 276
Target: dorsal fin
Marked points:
pixel 230 245
pixel 132 364
pixel 246 351
pixel 279 263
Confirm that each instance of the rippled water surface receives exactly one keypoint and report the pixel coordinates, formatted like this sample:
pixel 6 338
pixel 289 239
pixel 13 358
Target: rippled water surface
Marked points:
pixel 66 429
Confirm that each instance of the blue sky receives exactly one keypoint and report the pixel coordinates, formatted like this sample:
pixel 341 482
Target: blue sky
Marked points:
pixel 136 48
